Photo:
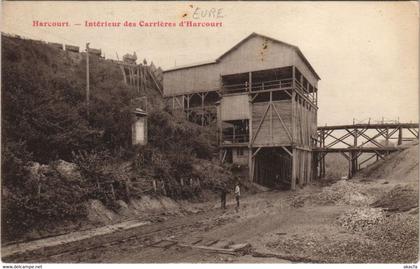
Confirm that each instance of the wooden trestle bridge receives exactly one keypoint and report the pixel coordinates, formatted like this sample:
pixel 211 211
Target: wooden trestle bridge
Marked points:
pixel 352 141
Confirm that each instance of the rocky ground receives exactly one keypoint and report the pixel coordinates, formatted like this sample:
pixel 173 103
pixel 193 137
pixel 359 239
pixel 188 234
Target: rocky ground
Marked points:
pixel 368 219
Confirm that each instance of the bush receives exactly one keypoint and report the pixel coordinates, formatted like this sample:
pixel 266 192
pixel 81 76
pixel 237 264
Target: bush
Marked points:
pixel 44 119
pixel 40 201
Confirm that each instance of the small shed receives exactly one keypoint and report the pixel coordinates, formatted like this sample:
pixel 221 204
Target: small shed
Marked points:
pixel 139 127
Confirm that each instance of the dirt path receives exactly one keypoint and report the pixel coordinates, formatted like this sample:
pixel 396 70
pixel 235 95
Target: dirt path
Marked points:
pixel 270 221
pixel 123 243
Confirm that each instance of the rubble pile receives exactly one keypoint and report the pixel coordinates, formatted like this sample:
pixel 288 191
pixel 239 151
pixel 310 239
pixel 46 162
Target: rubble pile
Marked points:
pixel 324 249
pixel 340 193
pixel 401 198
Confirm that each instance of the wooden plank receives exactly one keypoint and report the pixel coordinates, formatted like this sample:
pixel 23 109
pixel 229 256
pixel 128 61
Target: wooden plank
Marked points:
pixel 259 126
pixel 288 151
pixel 282 123
pixel 213 249
pixel 288 257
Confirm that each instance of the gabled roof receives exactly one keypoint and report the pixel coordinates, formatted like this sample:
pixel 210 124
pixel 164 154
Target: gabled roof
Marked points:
pixel 295 48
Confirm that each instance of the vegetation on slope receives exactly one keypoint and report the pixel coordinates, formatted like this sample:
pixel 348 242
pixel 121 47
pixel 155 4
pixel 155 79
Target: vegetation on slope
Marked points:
pixel 44 120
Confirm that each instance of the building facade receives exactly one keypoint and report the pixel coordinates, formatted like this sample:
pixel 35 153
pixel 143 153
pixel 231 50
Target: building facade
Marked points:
pixel 263 95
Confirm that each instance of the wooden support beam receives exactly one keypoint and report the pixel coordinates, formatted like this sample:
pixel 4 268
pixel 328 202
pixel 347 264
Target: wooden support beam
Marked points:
pixel 294 170
pixel 354 162
pixel 260 124
pixel 338 140
pixel 301 168
pixel 250 81
pixel 414 132
pixel 293 116
pixel 378 154
pixel 224 156
pixel 372 140
pixel 256 152
pixel 345 155
pixel 271 117
pixel 366 160
pixel 400 135
pixel 282 123
pixel 250 164
pixel 288 151
pixel 355 138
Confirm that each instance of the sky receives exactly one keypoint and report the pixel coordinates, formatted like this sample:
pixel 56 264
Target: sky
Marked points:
pixel 366 53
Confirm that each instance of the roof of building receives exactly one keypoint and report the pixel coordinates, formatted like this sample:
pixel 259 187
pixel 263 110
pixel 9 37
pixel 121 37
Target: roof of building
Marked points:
pixel 296 48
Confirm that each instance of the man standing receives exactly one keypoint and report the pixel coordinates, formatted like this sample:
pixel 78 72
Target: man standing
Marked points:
pixel 237 195
pixel 223 192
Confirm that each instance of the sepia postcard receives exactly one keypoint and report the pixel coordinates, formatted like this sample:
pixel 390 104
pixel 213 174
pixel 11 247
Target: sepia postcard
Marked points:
pixel 209 132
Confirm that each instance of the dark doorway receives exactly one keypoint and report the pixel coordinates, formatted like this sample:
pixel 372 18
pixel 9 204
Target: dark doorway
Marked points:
pixel 273 168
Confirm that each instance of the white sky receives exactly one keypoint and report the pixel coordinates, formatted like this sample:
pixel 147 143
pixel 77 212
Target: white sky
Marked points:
pixel 366 53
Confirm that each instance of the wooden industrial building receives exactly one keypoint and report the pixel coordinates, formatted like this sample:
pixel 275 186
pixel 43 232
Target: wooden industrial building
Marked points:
pixel 262 93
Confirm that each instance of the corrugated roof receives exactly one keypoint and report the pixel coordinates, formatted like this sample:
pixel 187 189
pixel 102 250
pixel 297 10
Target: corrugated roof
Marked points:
pixel 298 51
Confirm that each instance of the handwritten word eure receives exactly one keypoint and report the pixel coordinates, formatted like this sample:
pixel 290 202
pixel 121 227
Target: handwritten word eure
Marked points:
pixel 212 13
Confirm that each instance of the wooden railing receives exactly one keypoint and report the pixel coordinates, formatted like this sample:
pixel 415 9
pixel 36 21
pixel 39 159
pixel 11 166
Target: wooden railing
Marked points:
pixel 258 86
pixel 236 138
pixel 305 92
pixel 270 86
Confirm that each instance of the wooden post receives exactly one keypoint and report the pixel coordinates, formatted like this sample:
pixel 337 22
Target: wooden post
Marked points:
pixel 127 188
pixel 271 116
pixel 202 109
pixel 400 135
pixel 124 75
pixel 39 189
pixel 154 185
pixel 250 81
pixel 250 164
pixel 112 191
pixel 353 163
pixel 293 107
pixel 233 136
pixel 350 166
pixel 164 188
pixel 355 137
pixel 301 167
pixel 87 80
pixel 188 107
pixel 294 170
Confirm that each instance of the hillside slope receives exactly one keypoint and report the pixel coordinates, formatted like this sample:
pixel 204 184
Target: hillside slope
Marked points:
pixel 44 122
pixel 402 166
